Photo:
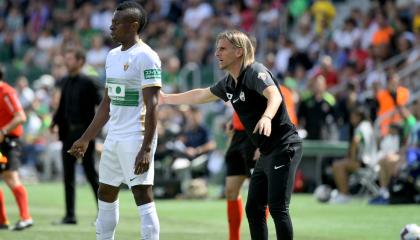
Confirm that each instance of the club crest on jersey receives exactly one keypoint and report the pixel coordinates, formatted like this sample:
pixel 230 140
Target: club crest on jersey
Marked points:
pixel 262 75
pixel 242 96
pixel 126 66
pixel 229 96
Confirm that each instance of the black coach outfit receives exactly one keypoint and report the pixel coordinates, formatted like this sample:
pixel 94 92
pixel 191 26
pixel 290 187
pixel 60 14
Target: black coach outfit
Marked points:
pixel 272 180
pixel 79 96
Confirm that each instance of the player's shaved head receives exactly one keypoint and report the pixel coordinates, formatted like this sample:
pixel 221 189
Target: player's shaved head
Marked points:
pixel 133 11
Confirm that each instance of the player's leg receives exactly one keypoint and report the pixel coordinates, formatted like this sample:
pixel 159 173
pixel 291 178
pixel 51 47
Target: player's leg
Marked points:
pixel 12 150
pixel 141 186
pixel 281 168
pixel 143 195
pixel 237 170
pixel 234 205
pixel 341 170
pixel 89 168
pixel 108 212
pixel 110 178
pixel 4 222
pixel 256 203
pixel 11 178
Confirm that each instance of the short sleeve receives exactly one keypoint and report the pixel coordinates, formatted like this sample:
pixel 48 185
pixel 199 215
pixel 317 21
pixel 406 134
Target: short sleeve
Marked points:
pixel 151 71
pixel 12 102
pixel 260 80
pixel 219 89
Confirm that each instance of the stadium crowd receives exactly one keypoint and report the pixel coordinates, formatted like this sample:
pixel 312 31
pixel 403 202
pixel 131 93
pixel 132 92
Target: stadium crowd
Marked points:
pixel 332 55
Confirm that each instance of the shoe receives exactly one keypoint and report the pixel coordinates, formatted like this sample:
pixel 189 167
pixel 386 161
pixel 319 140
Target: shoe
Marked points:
pixel 66 220
pixel 23 224
pixel 340 199
pixel 379 200
pixel 4 226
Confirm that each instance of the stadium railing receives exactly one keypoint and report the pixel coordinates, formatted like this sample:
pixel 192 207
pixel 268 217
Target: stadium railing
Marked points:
pixel 319 149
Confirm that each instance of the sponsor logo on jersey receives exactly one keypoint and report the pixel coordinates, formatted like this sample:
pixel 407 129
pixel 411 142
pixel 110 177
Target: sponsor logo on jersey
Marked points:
pixel 116 90
pixel 152 73
pixel 229 95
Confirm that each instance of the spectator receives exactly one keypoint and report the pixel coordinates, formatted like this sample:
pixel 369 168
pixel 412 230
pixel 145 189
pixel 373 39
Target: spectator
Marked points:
pixel 388 98
pixel 392 162
pixel 324 14
pixel 315 108
pixel 194 146
pixel 362 152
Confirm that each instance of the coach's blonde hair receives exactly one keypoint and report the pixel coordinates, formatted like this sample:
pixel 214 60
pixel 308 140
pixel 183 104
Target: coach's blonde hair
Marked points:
pixel 239 40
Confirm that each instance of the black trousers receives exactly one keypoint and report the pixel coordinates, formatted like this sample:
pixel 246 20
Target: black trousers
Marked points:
pixel 272 184
pixel 69 169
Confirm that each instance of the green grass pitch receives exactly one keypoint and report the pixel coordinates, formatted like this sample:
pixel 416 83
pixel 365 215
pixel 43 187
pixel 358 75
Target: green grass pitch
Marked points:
pixel 206 219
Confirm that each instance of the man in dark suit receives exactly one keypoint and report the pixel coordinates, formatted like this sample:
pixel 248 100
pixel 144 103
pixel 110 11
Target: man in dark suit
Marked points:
pixel 80 95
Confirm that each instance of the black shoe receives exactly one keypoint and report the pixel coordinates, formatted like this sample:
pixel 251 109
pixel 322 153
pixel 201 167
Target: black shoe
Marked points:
pixel 23 224
pixel 4 226
pixel 65 220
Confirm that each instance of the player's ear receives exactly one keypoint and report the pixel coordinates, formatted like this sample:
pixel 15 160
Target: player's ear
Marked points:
pixel 135 25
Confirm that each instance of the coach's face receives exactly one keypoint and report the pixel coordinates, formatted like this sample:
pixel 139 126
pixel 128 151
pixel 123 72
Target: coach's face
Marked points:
pixel 72 63
pixel 227 54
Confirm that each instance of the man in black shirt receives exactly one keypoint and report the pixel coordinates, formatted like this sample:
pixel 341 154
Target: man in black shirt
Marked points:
pixel 315 108
pixel 255 96
pixel 79 96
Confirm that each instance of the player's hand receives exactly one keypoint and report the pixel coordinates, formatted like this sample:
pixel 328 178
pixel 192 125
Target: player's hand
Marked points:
pixel 78 148
pixel 142 162
pixel 263 126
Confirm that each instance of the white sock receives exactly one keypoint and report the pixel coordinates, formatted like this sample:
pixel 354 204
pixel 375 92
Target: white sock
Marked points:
pixel 149 221
pixel 107 220
pixel 384 192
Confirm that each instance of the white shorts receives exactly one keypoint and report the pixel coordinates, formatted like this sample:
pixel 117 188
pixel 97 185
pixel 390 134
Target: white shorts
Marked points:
pixel 117 163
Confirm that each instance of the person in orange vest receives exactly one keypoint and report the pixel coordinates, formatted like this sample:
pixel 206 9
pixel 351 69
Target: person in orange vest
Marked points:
pixel 11 118
pixel 387 100
pixel 288 96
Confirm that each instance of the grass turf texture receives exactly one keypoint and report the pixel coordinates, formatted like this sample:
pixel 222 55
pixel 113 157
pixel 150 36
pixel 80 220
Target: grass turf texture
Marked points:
pixel 206 219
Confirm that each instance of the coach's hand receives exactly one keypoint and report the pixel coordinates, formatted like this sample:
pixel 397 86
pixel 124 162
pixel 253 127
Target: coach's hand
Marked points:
pixel 78 148
pixel 263 126
pixel 142 162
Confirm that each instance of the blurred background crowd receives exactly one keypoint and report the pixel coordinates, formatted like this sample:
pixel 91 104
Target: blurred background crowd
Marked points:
pixel 332 55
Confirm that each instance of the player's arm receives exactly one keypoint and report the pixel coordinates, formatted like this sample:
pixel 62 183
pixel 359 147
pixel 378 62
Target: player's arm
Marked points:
pixel 100 119
pixel 354 145
pixel 79 147
pixel 195 96
pixel 150 98
pixel 19 117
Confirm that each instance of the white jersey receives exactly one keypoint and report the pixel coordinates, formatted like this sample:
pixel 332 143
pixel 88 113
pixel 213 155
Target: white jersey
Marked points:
pixel 367 150
pixel 127 73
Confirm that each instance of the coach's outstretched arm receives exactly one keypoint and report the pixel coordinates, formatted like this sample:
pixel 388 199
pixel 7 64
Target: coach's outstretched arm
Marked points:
pixel 101 117
pixel 195 96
